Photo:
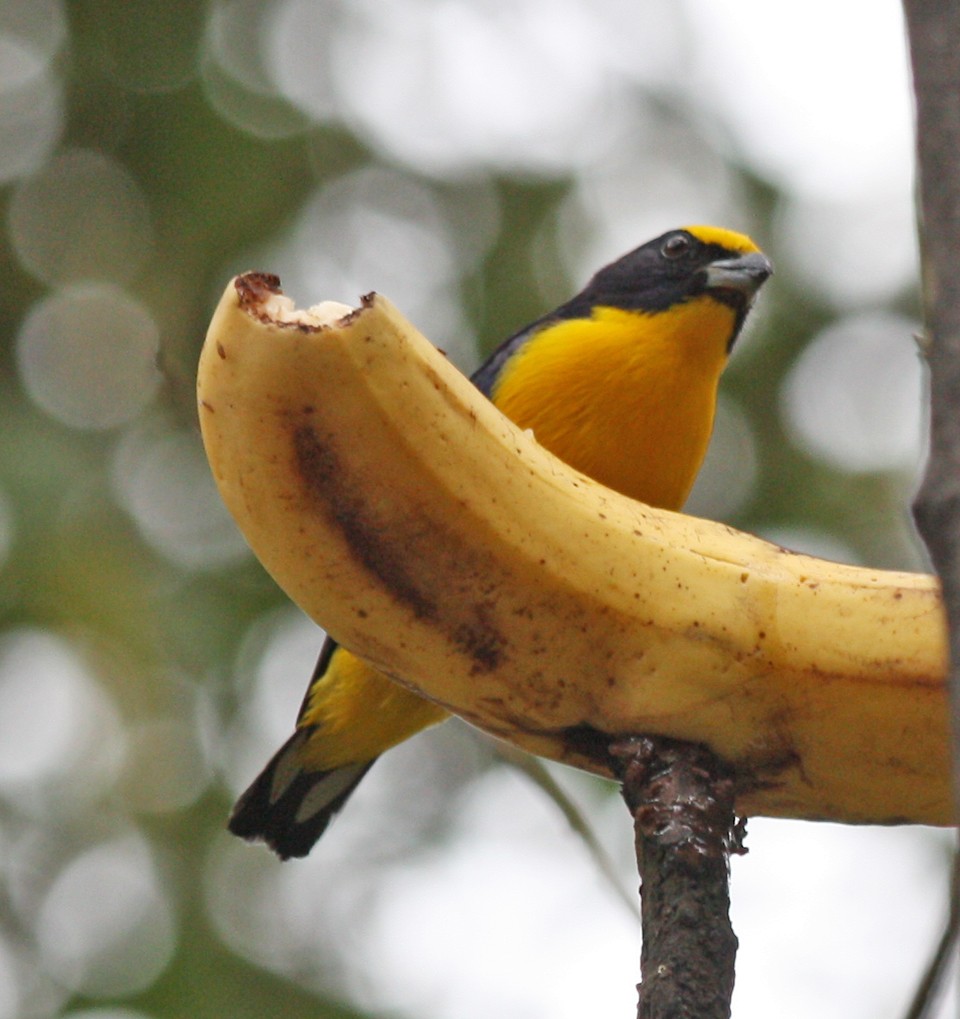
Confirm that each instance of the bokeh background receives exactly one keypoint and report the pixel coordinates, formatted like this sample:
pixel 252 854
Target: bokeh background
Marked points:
pixel 476 161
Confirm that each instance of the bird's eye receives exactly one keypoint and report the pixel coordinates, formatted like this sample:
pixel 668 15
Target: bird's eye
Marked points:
pixel 676 246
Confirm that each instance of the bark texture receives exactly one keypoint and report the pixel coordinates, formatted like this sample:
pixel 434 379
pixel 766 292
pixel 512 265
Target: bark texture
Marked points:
pixel 934 38
pixel 681 798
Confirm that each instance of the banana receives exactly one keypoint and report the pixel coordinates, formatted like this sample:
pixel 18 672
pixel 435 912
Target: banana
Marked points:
pixel 406 515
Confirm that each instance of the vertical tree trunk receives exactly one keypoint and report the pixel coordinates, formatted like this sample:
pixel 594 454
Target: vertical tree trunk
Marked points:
pixel 934 37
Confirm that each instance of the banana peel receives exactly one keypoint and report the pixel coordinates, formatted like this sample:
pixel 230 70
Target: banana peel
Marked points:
pixel 436 540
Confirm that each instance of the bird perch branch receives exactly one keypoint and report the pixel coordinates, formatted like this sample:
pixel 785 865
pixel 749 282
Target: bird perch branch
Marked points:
pixel 681 797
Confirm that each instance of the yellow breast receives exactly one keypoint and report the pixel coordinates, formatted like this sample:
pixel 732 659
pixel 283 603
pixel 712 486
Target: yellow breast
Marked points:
pixel 626 397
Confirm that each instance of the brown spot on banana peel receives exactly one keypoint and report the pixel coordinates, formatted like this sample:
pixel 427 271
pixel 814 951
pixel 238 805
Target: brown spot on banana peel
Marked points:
pixel 253 291
pixel 325 479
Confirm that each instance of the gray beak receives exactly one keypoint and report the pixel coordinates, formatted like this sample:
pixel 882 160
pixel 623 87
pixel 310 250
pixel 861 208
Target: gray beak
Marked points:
pixel 744 274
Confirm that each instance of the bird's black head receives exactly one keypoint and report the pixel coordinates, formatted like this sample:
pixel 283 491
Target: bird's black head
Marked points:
pixel 676 267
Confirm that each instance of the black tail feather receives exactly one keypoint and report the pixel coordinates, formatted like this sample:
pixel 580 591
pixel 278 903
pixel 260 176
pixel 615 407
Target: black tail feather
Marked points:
pixel 289 807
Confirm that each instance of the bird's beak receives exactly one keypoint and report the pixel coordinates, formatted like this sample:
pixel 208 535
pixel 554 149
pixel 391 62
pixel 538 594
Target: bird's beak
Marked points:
pixel 743 275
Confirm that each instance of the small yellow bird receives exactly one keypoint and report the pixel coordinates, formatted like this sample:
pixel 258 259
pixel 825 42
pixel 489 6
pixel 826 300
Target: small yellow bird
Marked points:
pixel 621 383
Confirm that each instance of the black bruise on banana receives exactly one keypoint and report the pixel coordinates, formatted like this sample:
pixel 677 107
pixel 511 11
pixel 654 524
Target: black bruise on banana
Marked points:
pixel 483 643
pixel 586 742
pixel 319 467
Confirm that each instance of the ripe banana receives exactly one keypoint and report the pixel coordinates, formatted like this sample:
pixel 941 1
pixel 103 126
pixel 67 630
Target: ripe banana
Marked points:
pixel 436 540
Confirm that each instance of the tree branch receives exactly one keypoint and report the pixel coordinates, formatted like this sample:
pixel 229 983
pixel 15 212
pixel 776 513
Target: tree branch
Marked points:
pixel 934 36
pixel 933 28
pixel 681 798
pixel 930 989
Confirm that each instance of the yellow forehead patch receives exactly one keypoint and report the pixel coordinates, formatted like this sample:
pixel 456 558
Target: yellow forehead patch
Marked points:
pixel 729 239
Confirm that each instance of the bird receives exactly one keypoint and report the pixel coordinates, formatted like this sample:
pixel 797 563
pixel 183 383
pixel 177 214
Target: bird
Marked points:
pixel 620 382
